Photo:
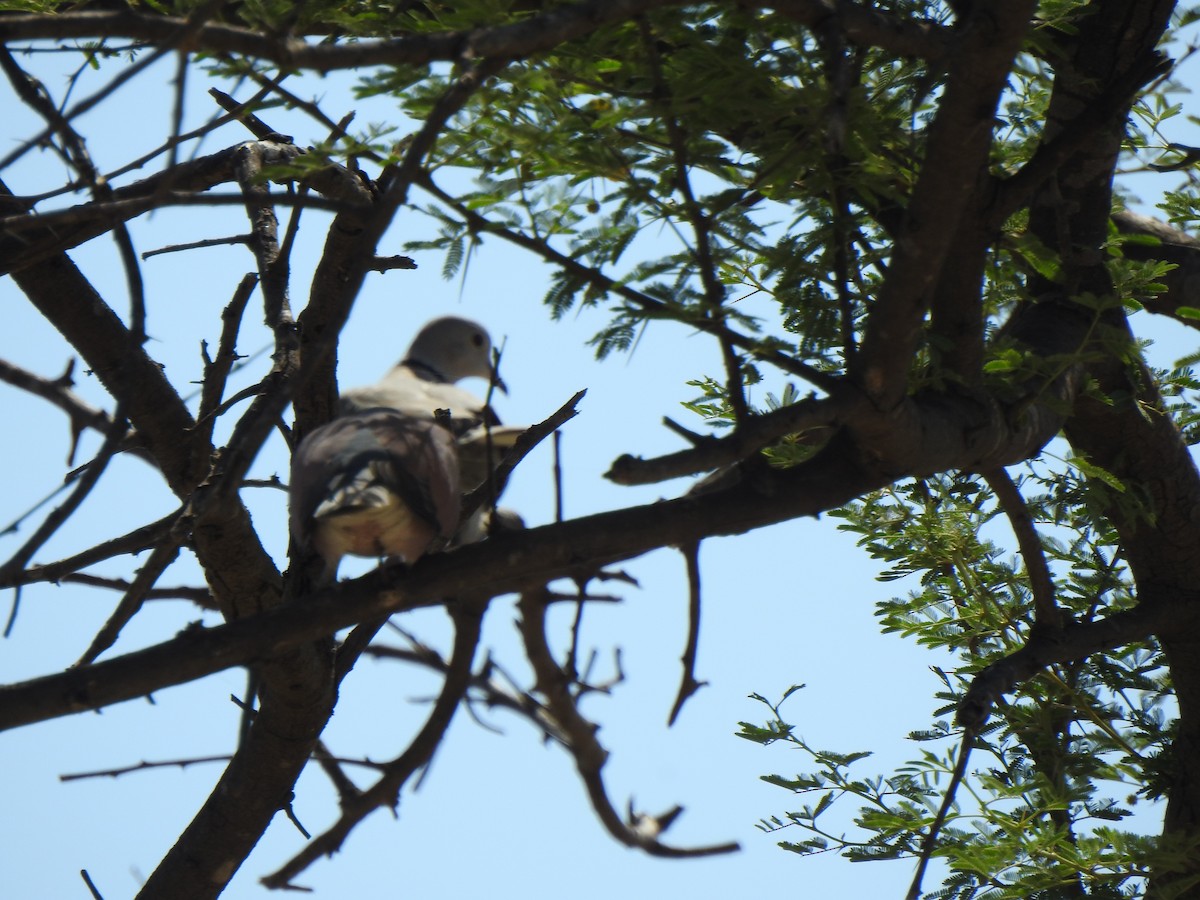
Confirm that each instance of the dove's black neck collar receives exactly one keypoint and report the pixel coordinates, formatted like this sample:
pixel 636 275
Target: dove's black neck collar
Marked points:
pixel 425 371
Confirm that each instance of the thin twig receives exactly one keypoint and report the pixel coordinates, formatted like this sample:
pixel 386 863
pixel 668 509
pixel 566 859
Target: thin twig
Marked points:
pixel 144 766
pixel 11 570
pixel 929 844
pixel 714 290
pixel 132 542
pixel 91 886
pixel 650 305
pixel 201 596
pixel 590 757
pixel 196 245
pixel 162 556
pixel 1047 613
pixel 216 371
pixel 688 684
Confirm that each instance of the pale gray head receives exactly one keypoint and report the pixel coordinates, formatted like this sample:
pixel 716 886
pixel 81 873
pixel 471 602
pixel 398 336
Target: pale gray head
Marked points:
pixel 449 349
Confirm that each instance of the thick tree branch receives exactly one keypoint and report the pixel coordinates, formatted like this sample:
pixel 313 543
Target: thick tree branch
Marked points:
pixel 510 562
pixel 299 697
pixel 1074 642
pixel 532 35
pixel 1172 246
pixel 956 158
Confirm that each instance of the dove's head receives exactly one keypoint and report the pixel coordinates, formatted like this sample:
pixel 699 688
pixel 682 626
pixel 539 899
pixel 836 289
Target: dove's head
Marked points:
pixel 451 349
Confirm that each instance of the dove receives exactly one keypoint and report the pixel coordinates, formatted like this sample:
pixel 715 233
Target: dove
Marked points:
pixel 445 351
pixel 375 483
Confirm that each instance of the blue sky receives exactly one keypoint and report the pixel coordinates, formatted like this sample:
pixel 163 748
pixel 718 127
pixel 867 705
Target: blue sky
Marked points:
pixel 497 814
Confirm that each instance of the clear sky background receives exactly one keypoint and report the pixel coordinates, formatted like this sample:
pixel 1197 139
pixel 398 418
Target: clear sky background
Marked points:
pixel 497 814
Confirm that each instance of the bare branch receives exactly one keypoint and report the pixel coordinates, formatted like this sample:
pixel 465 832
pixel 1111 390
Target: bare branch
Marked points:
pixel 521 448
pixel 468 620
pixel 56 519
pixel 688 684
pixel 754 433
pixel 143 766
pixel 590 757
pixel 134 542
pixel 201 596
pixel 162 557
pixel 58 391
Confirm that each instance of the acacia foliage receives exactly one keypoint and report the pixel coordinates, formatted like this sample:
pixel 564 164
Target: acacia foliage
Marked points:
pixel 920 201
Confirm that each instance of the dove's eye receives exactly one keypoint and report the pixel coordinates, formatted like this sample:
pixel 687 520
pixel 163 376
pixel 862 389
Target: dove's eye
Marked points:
pixel 477 339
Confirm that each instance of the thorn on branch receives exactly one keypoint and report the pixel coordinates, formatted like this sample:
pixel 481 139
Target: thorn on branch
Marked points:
pixel 291 814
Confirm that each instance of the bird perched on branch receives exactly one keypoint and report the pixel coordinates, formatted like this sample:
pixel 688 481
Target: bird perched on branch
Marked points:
pixel 444 352
pixel 385 477
pixel 375 483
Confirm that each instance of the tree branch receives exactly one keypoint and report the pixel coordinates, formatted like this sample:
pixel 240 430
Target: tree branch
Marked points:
pixel 590 757
pixel 468 621
pixel 956 158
